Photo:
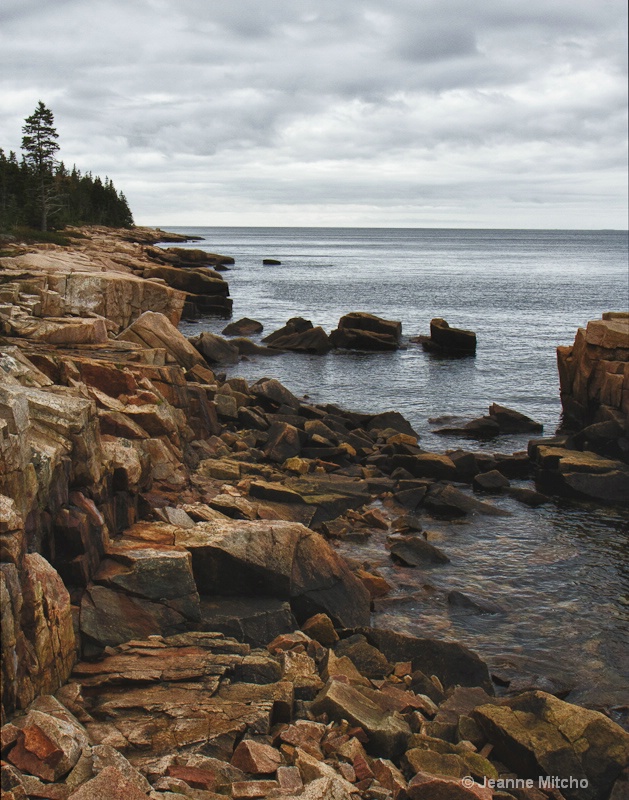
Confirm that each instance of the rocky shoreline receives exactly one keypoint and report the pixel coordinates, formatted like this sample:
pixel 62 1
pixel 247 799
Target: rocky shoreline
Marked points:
pixel 176 619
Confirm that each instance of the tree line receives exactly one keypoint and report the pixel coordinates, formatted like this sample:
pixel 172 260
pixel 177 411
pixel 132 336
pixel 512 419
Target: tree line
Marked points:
pixel 38 191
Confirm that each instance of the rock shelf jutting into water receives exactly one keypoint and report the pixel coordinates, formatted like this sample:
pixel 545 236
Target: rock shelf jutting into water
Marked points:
pixel 178 614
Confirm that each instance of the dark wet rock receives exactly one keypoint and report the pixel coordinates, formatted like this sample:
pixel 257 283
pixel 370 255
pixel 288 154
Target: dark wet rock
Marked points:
pixel 426 465
pixel 450 503
pixel 481 428
pixel 422 684
pixel 215 349
pixel 275 492
pixel 314 341
pixel 574 473
pixel 500 420
pixel 294 326
pixel 465 463
pixel 299 335
pixel 361 331
pixel 607 438
pixel 271 262
pixel 477 605
pixel 331 495
pixel 160 575
pixel 449 340
pixel 451 662
pixel 514 465
pixel 529 497
pixel 246 347
pixel 492 482
pixel 243 327
pixel 411 498
pixel 511 421
pixel 391 419
pixel 252 418
pixel 415 551
pixel 254 620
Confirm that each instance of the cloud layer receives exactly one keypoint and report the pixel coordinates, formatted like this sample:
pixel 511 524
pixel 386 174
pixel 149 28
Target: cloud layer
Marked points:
pixel 405 112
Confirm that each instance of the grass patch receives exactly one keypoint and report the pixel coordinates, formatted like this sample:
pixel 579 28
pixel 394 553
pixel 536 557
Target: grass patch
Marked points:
pixel 32 236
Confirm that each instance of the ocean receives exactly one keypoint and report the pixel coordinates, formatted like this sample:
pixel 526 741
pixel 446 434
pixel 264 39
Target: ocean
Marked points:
pixel 559 573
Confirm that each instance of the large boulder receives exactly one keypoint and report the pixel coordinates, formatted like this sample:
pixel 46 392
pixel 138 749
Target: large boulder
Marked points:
pixel 184 256
pixel 272 394
pixel 154 330
pixel 449 340
pixel 110 617
pixel 161 575
pixel 453 663
pixel 255 620
pixel 38 640
pixel 277 559
pixel 388 732
pixel 293 326
pixel 361 331
pixel 215 349
pixel 537 734
pixel 511 421
pixel 243 327
pixel 314 342
pixel 593 373
pixel 193 281
pixel 573 472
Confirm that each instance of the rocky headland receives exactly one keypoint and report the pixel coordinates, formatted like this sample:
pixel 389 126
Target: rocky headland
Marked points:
pixel 176 618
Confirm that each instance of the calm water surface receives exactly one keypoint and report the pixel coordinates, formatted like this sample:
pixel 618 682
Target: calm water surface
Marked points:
pixel 560 573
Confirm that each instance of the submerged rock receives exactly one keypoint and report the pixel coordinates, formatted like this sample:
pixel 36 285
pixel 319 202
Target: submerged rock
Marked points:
pixel 415 551
pixel 243 327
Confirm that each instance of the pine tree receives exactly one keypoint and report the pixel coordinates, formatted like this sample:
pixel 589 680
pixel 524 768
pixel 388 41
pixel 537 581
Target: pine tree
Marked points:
pixel 39 144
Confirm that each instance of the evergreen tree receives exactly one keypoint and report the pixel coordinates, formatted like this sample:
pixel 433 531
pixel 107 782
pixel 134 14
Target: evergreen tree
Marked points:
pixel 39 144
pixel 40 191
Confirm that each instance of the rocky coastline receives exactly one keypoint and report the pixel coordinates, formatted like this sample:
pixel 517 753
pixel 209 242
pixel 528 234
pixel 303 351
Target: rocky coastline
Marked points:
pixel 176 618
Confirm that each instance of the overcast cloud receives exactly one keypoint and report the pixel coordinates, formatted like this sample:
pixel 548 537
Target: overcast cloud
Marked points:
pixel 497 113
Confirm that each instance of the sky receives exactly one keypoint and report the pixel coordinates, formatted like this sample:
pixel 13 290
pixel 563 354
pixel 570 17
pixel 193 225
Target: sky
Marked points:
pixel 349 113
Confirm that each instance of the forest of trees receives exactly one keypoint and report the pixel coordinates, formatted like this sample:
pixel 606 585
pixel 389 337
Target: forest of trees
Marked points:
pixel 38 191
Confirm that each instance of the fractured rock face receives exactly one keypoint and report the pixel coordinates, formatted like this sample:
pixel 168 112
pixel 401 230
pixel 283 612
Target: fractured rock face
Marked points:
pixel 445 339
pixel 361 331
pixel 277 559
pixel 538 734
pixel 154 330
pixel 388 732
pixel 110 617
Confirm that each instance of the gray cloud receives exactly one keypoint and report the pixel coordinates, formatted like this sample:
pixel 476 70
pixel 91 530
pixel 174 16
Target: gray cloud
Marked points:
pixel 434 111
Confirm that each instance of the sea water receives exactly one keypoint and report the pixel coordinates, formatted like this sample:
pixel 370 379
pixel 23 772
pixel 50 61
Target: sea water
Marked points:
pixel 559 574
